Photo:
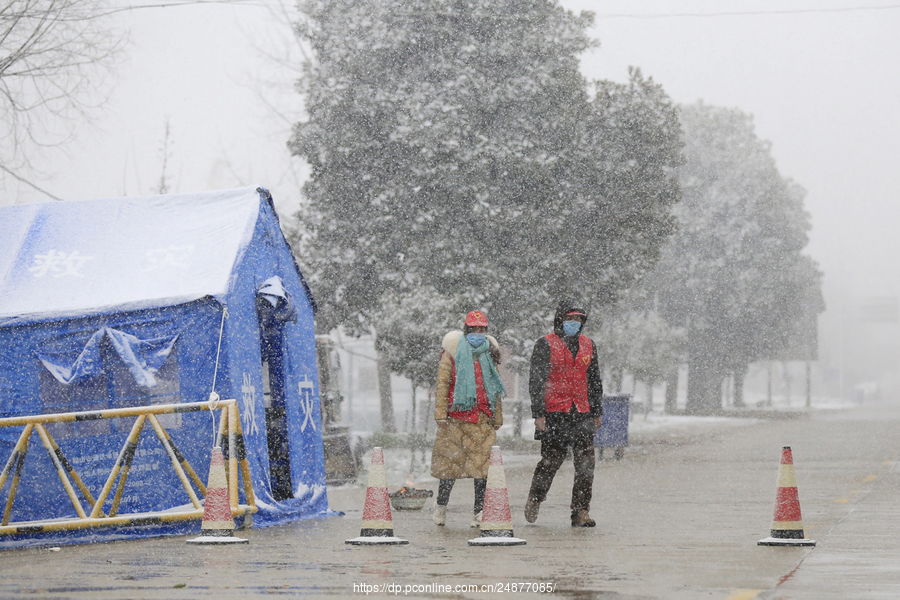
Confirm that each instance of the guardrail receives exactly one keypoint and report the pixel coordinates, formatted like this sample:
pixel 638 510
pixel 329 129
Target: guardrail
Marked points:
pixel 93 515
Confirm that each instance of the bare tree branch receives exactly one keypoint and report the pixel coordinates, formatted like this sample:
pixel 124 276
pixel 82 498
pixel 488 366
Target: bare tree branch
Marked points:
pixel 25 181
pixel 55 59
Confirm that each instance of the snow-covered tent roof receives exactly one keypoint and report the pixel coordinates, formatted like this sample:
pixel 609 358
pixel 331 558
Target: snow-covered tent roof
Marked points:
pixel 79 258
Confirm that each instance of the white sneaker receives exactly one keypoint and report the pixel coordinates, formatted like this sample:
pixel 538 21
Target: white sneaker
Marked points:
pixel 476 520
pixel 439 514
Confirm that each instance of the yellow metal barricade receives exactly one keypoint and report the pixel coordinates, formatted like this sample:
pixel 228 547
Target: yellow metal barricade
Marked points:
pixel 93 515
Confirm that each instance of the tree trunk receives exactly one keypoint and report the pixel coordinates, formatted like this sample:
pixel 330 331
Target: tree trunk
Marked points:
pixel 520 410
pixel 384 391
pixel 428 417
pixel 739 375
pixel 648 407
pixel 788 379
pixel 704 389
pixel 412 418
pixel 672 392
pixel 808 385
pixel 615 380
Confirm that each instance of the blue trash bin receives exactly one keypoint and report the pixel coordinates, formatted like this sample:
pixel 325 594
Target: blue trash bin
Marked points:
pixel 613 432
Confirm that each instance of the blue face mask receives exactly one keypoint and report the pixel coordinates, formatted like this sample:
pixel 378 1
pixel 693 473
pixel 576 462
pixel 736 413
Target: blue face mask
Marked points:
pixel 571 327
pixel 476 339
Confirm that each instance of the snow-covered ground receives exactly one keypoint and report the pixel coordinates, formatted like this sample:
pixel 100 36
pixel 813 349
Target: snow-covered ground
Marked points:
pixel 407 467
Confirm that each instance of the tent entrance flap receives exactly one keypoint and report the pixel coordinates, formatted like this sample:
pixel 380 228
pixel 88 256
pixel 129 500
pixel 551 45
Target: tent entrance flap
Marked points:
pixel 274 309
pixel 276 412
pixel 276 431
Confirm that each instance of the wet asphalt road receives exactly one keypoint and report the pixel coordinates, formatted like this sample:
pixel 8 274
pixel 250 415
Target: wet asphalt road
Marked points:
pixel 678 518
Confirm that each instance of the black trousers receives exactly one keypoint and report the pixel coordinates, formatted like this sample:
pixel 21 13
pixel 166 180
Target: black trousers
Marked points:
pixel 564 431
pixel 446 486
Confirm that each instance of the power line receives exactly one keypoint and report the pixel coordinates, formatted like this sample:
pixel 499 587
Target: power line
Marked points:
pixel 259 4
pixel 177 3
pixel 750 12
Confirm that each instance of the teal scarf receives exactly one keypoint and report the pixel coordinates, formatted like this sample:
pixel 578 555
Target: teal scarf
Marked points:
pixel 465 395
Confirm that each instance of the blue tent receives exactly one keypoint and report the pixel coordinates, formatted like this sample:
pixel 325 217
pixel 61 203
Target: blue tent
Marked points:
pixel 140 301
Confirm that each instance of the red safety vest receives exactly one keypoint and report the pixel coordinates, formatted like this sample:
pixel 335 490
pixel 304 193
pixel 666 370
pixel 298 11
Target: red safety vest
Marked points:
pixel 481 405
pixel 567 381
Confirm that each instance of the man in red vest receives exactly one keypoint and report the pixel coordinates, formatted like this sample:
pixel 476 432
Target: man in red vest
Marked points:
pixel 566 394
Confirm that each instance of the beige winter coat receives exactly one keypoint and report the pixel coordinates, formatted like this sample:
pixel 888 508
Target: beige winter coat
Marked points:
pixel 461 449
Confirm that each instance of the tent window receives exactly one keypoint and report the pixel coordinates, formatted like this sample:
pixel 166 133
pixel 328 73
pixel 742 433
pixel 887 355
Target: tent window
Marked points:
pixel 90 394
pixel 108 383
pixel 125 392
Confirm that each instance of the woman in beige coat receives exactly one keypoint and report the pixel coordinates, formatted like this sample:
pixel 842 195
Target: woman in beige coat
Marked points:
pixel 468 411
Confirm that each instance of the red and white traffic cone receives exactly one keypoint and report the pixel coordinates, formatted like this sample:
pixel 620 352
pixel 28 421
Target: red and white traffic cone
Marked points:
pixel 787 524
pixel 496 521
pixel 218 523
pixel 377 525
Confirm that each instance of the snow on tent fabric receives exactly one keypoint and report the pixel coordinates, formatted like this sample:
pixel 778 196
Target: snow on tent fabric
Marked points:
pixel 118 303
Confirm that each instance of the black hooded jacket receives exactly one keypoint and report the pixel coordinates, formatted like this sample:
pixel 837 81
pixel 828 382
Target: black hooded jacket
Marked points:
pixel 540 365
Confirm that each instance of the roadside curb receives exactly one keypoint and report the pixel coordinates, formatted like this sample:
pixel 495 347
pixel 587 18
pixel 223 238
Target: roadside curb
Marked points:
pixel 749 413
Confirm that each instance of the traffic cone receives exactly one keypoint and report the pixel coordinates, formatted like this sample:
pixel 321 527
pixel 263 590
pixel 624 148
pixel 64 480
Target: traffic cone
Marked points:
pixel 218 524
pixel 787 524
pixel 496 521
pixel 377 526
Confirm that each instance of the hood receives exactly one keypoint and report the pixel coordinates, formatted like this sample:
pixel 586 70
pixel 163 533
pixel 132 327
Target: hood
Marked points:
pixel 566 306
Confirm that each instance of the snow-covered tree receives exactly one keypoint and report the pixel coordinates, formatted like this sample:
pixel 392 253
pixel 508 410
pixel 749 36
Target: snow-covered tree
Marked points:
pixel 734 275
pixel 455 147
pixel 640 343
pixel 604 230
pixel 410 330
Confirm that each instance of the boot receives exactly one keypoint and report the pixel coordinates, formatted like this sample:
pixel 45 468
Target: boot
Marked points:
pixel 532 507
pixel 581 518
pixel 439 514
pixel 476 519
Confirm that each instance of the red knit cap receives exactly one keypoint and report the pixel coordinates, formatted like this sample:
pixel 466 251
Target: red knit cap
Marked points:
pixel 476 318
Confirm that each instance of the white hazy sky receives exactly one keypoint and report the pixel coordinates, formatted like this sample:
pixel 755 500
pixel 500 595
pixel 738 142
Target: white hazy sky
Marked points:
pixel 820 77
pixel 822 81
pixel 823 88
